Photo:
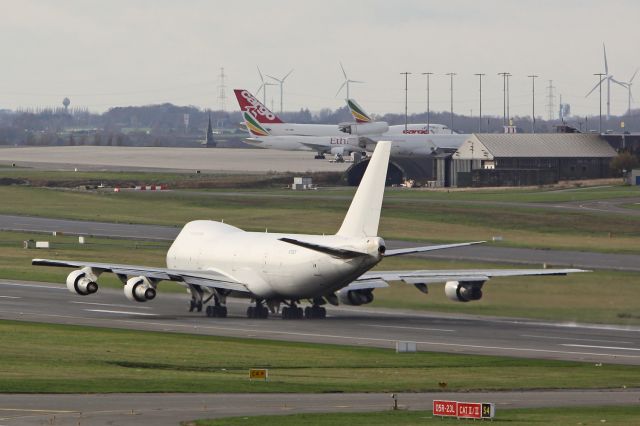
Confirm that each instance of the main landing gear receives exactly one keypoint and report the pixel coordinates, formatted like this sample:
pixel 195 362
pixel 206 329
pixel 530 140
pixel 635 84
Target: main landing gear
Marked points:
pixel 319 156
pixel 259 311
pixel 310 312
pixel 315 312
pixel 217 310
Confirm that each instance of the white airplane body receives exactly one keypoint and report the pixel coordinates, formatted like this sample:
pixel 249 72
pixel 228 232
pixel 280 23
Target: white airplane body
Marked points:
pixel 412 139
pixel 262 138
pixel 415 144
pixel 216 260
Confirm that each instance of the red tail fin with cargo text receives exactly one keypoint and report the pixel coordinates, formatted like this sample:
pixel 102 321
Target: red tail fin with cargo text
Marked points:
pixel 250 104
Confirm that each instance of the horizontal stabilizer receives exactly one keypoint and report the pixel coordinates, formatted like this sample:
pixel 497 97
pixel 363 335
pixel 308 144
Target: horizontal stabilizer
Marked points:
pixel 333 251
pixel 398 252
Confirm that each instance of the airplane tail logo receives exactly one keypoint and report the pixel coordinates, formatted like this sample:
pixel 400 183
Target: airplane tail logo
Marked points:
pixel 253 126
pixel 249 103
pixel 357 112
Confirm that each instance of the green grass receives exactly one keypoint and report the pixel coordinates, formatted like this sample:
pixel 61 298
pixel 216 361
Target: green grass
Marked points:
pixel 401 219
pixel 617 416
pixel 597 297
pixel 47 358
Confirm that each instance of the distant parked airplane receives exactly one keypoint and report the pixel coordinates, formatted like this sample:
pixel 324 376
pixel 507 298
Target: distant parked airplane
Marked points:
pixel 335 145
pixel 415 140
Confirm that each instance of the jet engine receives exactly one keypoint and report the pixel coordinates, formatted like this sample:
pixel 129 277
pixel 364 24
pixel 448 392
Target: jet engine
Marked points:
pixel 363 129
pixel 82 282
pixel 463 291
pixel 355 297
pixel 139 289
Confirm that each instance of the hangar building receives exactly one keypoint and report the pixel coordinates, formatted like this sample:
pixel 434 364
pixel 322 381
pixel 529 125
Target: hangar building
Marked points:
pixel 530 159
pixel 503 160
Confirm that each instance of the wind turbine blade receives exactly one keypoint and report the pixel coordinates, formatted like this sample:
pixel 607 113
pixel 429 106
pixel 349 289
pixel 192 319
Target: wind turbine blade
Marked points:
pixel 343 84
pixel 606 66
pixel 595 87
pixel 276 79
pixel 355 81
pixel 618 82
pixel 260 88
pixel 344 72
pixel 634 76
pixel 260 74
pixel 288 74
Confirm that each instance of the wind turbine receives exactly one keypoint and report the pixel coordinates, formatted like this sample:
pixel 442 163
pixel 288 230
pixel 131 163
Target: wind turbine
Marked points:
pixel 608 78
pixel 263 86
pixel 628 85
pixel 281 81
pixel 346 82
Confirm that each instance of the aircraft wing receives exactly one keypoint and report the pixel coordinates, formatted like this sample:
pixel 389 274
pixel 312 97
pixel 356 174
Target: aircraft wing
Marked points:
pixel 398 252
pixel 438 276
pixel 203 278
pixel 316 146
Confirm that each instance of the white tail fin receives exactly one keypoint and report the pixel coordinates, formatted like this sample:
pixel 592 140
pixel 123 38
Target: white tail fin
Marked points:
pixel 363 216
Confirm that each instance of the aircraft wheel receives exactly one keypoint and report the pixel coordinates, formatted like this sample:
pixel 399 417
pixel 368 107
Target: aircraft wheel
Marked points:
pixel 250 312
pixel 286 313
pixel 192 305
pixel 222 312
pixel 209 311
pixel 199 306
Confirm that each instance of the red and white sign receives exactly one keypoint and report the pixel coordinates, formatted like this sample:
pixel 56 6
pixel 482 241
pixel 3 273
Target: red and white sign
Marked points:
pixel 445 408
pixel 469 410
pixel 463 410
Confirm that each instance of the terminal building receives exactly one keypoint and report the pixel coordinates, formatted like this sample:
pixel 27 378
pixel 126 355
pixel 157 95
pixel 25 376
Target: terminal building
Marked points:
pixel 520 159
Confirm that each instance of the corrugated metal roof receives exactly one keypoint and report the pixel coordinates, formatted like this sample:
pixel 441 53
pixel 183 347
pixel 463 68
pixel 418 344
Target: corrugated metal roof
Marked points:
pixel 561 145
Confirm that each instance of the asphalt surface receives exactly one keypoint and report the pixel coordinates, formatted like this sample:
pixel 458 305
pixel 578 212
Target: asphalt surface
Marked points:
pixel 359 326
pixel 170 409
pixel 226 160
pixel 480 253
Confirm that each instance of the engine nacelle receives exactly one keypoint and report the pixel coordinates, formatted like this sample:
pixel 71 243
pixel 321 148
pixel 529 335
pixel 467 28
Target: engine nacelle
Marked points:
pixel 464 291
pixel 355 297
pixel 363 129
pixel 82 282
pixel 139 289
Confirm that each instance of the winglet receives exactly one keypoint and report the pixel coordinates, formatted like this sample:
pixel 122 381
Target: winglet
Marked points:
pixel 253 106
pixel 363 216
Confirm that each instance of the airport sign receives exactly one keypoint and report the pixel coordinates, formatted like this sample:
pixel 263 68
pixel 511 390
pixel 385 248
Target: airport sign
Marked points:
pixel 463 410
pixel 259 374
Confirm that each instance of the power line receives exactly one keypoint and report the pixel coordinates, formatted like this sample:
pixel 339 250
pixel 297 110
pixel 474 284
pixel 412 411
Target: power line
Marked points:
pixel 550 100
pixel 222 95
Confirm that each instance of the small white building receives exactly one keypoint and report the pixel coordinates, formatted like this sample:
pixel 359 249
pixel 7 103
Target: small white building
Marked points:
pixel 634 177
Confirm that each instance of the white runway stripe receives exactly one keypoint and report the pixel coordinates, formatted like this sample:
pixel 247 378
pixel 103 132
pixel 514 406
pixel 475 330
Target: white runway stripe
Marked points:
pixel 121 312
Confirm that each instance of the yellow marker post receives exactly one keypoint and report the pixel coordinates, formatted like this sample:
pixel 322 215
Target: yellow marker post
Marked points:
pixel 259 374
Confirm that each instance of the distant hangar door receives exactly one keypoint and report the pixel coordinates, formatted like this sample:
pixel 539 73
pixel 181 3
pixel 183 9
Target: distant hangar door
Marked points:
pixel 354 174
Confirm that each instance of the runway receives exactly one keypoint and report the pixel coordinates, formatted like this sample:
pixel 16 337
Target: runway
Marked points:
pixel 480 253
pixel 225 160
pixel 170 409
pixel 360 326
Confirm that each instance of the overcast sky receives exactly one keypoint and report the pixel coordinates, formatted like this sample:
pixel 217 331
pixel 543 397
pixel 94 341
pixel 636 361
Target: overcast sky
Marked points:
pixel 113 53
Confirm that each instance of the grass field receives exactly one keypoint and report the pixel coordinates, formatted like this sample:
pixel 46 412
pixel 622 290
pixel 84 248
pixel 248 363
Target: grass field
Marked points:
pixel 38 358
pixel 617 416
pixel 401 219
pixel 598 297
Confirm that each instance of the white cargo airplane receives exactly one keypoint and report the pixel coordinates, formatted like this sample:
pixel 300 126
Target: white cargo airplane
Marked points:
pixel 414 140
pixel 216 260
pixel 335 145
pixel 362 118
